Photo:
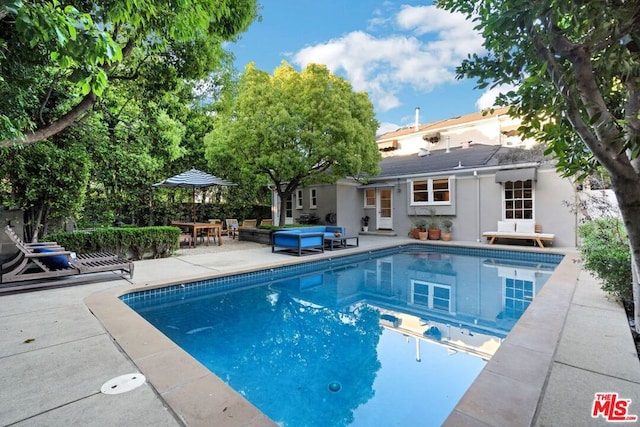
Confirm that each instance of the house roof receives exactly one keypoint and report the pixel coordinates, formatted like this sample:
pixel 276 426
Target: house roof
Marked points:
pixel 475 156
pixel 444 124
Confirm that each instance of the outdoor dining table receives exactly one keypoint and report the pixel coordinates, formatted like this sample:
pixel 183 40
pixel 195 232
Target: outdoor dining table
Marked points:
pixel 194 227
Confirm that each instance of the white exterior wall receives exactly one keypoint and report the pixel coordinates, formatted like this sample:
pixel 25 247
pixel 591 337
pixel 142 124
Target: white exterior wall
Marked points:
pixel 489 131
pixel 477 205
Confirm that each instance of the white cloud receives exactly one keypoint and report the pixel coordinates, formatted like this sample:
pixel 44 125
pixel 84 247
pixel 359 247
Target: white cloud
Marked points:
pixel 422 53
pixel 488 99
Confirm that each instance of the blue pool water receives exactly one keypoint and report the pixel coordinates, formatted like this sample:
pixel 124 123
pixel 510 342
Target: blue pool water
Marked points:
pixel 392 337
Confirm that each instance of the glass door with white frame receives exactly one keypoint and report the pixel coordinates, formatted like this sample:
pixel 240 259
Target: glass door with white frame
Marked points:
pixel 385 208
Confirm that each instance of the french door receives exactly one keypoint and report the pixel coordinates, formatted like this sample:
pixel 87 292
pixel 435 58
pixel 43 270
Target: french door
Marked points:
pixel 384 205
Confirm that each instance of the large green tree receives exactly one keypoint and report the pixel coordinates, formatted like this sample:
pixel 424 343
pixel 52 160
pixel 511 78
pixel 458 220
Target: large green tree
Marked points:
pixel 58 57
pixel 295 129
pixel 47 181
pixel 576 69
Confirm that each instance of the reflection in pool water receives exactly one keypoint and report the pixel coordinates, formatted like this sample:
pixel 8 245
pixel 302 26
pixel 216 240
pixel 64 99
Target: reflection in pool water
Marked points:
pixel 394 339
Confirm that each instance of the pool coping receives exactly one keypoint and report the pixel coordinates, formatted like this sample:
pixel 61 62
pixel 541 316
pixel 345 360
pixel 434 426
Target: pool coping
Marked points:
pixel 510 388
pixel 508 391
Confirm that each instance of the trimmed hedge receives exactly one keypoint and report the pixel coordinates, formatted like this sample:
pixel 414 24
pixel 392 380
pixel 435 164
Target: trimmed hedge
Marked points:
pixel 129 242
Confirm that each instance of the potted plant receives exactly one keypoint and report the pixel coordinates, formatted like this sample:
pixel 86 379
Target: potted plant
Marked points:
pixel 421 229
pixel 433 226
pixel 365 223
pixel 446 229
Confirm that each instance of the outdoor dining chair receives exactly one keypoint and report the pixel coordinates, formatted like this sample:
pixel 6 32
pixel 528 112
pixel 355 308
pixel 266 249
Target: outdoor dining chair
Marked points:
pixel 232 227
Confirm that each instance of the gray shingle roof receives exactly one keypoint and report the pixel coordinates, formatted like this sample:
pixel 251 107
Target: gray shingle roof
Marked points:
pixel 477 155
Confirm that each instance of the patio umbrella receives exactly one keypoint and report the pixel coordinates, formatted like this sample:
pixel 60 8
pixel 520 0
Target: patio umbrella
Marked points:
pixel 193 179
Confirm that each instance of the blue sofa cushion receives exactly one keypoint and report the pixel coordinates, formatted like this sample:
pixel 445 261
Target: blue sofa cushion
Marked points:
pixel 328 230
pixel 291 239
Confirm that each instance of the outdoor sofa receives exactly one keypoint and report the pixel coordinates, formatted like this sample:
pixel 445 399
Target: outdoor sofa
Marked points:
pixel 304 239
pixel 520 230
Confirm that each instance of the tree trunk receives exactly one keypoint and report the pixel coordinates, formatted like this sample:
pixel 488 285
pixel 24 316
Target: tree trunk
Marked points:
pixel 283 209
pixel 283 196
pixel 635 270
pixel 627 192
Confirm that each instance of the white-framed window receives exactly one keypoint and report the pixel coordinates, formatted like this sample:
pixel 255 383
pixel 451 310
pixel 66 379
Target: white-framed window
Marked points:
pixel 518 199
pixel 299 199
pixel 370 198
pixel 313 198
pixel 518 294
pixel 431 191
pixel 431 295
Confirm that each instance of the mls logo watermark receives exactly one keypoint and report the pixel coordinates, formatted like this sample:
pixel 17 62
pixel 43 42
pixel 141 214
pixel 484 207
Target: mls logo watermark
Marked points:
pixel 612 408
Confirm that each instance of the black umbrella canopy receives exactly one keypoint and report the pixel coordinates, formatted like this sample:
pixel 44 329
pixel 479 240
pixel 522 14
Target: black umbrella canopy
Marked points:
pixel 193 179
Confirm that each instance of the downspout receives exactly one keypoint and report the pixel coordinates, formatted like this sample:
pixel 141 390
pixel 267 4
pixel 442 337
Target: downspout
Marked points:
pixel 478 239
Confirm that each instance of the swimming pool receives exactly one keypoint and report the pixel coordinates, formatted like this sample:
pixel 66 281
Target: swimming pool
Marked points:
pixel 377 306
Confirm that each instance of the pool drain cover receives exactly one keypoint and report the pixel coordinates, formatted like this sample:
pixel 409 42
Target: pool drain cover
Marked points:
pixel 335 386
pixel 123 383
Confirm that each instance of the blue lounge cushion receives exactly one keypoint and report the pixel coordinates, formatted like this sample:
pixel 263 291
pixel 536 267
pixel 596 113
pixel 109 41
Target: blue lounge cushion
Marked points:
pixel 292 240
pixel 54 262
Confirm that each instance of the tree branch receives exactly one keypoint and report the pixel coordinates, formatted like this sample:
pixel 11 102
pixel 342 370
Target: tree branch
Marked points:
pixel 606 143
pixel 69 118
pixel 57 126
pixel 47 96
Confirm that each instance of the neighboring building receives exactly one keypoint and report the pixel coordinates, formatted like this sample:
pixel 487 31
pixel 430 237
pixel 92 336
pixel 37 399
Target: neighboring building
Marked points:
pixel 473 169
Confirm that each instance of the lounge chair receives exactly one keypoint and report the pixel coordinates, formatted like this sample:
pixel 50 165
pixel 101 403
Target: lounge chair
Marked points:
pixel 266 222
pixel 49 260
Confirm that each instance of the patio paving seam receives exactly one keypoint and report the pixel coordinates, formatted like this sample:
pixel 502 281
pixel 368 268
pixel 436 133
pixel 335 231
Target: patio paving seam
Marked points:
pixel 197 265
pixel 597 372
pixel 30 417
pixel 53 346
pixel 613 309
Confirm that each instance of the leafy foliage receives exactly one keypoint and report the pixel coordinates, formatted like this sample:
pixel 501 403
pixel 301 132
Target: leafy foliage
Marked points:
pixel 576 70
pixel 47 181
pixel 58 58
pixel 605 252
pixel 293 129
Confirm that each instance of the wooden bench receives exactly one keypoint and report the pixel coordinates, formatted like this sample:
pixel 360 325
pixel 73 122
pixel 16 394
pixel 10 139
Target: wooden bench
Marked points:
pixel 519 230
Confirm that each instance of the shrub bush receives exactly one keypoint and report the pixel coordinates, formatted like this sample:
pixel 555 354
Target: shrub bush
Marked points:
pixel 605 252
pixel 130 242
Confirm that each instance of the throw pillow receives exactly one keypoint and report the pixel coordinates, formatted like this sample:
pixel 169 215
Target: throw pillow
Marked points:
pixel 506 226
pixel 528 227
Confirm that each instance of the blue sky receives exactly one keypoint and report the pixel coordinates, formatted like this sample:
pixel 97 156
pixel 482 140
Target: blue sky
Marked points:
pixel 403 54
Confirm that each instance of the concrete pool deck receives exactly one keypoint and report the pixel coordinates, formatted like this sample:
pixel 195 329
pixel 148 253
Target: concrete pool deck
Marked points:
pixel 59 346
